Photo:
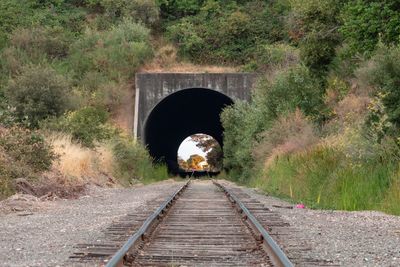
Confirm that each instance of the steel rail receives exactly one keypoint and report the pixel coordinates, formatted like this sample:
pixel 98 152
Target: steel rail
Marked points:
pixel 118 258
pixel 276 254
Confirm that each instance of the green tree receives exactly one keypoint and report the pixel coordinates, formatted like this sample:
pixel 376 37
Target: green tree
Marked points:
pixel 212 148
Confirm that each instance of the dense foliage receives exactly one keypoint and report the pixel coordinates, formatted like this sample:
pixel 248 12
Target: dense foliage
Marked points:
pixel 65 67
pixel 36 94
pixel 225 31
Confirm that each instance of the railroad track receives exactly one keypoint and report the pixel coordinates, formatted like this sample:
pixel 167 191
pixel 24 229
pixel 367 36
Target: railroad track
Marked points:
pixel 201 224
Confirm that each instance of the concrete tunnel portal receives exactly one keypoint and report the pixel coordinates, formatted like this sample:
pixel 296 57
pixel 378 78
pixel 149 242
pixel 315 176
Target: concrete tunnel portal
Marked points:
pixel 179 115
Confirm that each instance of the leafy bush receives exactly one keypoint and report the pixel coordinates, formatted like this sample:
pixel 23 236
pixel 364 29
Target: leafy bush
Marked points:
pixel 37 13
pixel 274 57
pixel 314 28
pixel 23 154
pixel 8 19
pixel 382 73
pixel 88 125
pixel 53 42
pixel 38 93
pixel 145 11
pixel 27 147
pixel 172 10
pixel 185 36
pixel 116 53
pixel 365 23
pixel 227 34
pixel 242 122
pixel 134 162
pixel 295 88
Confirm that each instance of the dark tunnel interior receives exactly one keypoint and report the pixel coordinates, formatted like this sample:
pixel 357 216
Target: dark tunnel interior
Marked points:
pixel 179 115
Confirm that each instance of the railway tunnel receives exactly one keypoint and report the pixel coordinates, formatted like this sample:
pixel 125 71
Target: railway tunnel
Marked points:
pixel 179 115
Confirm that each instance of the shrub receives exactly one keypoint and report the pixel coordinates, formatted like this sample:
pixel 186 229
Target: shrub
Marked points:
pixel 115 53
pixel 242 122
pixel 295 88
pixel 274 57
pixel 38 93
pixel 133 162
pixel 185 36
pixel 145 11
pixel 13 60
pixel 15 14
pixel 111 95
pixel 88 125
pixel 172 10
pixel 27 147
pixel 314 28
pixel 229 33
pixel 289 134
pixel 54 42
pixel 8 19
pixel 382 73
pixel 365 23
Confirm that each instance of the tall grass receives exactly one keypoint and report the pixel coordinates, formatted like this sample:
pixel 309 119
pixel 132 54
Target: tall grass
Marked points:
pixel 133 163
pixel 122 159
pixel 322 177
pixel 81 164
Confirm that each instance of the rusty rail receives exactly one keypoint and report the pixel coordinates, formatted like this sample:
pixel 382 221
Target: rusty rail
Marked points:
pixel 118 258
pixel 275 253
pixel 213 233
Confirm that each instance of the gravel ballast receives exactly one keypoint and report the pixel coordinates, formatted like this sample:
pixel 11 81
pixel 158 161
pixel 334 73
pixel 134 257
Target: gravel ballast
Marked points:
pixel 44 232
pixel 357 238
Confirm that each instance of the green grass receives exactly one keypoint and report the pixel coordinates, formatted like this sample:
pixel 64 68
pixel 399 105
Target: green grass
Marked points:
pixel 325 178
pixel 156 173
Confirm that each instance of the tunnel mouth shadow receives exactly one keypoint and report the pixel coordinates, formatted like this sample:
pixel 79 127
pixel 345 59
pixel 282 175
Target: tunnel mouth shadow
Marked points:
pixel 179 115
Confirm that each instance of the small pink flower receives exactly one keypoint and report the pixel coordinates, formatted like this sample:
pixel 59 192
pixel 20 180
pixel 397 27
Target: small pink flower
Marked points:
pixel 300 206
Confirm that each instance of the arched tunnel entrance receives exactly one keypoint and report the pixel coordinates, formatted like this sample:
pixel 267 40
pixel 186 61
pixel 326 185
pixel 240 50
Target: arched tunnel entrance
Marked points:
pixel 179 115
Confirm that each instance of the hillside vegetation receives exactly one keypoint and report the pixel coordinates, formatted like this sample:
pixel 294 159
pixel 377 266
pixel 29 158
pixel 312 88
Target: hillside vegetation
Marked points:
pixel 323 126
pixel 65 69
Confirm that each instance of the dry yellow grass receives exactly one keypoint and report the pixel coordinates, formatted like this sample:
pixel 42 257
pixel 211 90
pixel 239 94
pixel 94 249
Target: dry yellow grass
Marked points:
pixel 106 159
pixel 165 60
pixel 184 67
pixel 83 164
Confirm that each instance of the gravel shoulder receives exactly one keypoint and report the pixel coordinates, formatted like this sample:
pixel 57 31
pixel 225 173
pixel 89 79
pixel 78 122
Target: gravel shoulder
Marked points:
pixel 359 238
pixel 43 233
